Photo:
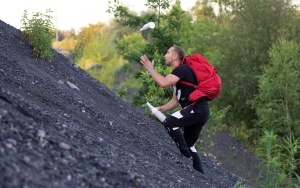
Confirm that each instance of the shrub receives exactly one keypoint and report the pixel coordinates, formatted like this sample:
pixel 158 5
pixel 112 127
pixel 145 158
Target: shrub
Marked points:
pixel 39 32
pixel 279 162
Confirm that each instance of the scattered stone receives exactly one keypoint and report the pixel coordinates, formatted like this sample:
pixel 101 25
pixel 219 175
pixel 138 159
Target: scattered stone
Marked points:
pixel 64 146
pixel 12 141
pixel 41 134
pixel 69 177
pixel 73 86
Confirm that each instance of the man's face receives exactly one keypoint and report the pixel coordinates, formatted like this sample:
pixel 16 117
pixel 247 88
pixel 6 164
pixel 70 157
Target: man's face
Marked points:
pixel 169 56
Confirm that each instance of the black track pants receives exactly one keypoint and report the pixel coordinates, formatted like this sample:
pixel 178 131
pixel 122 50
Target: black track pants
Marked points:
pixel 192 119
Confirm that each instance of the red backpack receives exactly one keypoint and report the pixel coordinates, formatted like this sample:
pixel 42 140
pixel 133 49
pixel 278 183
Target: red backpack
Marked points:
pixel 209 82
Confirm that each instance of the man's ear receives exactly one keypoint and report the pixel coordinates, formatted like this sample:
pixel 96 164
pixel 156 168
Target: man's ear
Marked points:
pixel 175 56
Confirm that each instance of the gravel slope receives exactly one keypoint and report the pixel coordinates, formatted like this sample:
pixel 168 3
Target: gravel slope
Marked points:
pixel 59 127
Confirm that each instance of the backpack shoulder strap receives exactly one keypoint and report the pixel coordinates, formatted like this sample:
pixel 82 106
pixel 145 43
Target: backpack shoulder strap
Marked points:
pixel 194 74
pixel 187 83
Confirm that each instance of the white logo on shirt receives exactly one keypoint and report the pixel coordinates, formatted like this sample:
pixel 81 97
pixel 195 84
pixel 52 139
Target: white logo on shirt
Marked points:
pixel 178 94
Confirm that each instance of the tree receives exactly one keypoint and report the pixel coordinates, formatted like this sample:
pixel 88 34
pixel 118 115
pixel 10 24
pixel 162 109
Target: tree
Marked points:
pixel 278 103
pixel 254 26
pixel 131 46
pixel 158 5
pixel 125 17
pixel 95 52
pixel 86 35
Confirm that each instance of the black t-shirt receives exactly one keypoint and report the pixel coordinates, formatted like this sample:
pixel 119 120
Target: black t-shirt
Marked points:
pixel 184 73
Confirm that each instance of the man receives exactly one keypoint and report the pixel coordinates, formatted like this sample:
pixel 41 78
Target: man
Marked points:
pixel 192 116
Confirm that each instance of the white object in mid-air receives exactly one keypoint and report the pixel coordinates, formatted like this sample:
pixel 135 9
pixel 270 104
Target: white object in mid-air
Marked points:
pixel 148 26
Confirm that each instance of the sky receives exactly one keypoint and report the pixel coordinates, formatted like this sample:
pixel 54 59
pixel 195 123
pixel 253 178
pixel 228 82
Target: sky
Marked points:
pixel 71 14
pixel 68 14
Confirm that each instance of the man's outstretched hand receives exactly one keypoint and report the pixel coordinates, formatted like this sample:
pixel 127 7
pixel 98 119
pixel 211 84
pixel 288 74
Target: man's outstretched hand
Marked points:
pixel 146 62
